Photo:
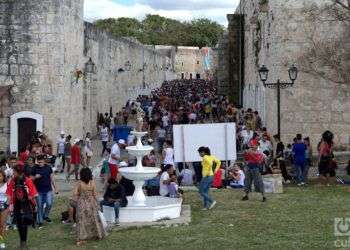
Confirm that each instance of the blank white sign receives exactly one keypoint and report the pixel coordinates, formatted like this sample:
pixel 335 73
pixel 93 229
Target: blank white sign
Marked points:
pixel 219 137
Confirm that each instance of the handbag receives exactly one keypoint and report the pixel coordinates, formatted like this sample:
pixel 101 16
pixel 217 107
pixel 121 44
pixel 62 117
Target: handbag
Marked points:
pixel 103 219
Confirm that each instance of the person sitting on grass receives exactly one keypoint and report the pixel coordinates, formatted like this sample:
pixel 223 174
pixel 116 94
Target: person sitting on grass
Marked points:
pixel 173 187
pixel 186 176
pixel 165 180
pixel 236 177
pixel 114 197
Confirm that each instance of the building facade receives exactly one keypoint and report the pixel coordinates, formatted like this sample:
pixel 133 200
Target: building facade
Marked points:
pixel 45 84
pixel 277 34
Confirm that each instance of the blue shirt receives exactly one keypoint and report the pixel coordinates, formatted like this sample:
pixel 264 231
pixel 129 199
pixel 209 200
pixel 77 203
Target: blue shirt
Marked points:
pixel 299 150
pixel 43 184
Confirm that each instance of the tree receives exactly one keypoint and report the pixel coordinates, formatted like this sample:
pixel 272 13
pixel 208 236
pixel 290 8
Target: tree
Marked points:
pixel 205 32
pixel 123 27
pixel 158 30
pixel 329 58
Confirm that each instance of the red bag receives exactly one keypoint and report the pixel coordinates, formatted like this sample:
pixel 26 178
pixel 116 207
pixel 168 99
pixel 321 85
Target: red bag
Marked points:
pixel 217 182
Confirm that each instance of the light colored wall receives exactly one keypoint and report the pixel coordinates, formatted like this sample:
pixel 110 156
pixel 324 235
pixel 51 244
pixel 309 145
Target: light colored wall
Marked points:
pixel 49 42
pixel 312 105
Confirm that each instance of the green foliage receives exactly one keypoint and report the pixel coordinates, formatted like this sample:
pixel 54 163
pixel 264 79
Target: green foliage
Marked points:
pixel 158 30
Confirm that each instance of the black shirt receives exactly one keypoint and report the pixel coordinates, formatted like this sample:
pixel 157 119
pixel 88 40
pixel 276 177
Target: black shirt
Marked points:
pixel 116 191
pixel 279 149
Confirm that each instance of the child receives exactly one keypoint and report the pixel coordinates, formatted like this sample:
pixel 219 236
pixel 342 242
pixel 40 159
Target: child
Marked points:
pixel 186 177
pixel 236 177
pixel 104 173
pixel 173 188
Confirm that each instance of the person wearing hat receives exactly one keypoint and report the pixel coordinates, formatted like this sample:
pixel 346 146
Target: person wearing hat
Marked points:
pixel 114 158
pixel 254 160
pixel 60 150
pixel 75 159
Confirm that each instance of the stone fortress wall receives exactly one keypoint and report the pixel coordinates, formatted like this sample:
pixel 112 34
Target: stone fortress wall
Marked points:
pixel 189 61
pixel 276 34
pixel 44 45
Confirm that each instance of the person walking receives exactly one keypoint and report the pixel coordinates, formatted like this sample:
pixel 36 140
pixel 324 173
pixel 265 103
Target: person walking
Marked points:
pixel 45 185
pixel 115 158
pixel 210 164
pixel 89 224
pixel 75 160
pixel 299 152
pixel 254 160
pixel 168 153
pixel 67 152
pixel 21 192
pixel 4 211
pixel 326 165
pixel 60 150
pixel 104 135
pixel 88 149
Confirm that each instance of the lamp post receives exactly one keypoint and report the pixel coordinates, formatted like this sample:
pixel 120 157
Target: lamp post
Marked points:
pixel 293 75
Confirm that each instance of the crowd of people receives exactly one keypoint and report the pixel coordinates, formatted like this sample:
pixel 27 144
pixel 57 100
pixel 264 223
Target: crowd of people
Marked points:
pixel 27 182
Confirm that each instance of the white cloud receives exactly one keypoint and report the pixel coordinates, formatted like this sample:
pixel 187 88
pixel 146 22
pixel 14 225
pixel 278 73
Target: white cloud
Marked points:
pixel 179 9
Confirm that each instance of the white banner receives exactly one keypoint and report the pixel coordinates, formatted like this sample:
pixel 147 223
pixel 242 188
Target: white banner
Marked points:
pixel 219 137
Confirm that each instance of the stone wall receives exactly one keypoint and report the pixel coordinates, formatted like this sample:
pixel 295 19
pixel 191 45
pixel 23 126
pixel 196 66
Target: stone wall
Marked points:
pixel 43 46
pixel 189 61
pixel 41 40
pixel 276 34
pixel 230 60
pixel 111 87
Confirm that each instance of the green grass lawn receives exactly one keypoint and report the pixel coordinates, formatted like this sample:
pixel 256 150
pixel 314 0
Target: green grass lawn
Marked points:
pixel 301 218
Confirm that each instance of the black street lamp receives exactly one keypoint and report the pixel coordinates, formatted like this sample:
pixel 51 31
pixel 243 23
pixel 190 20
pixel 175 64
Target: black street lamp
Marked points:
pixel 90 67
pixel 293 75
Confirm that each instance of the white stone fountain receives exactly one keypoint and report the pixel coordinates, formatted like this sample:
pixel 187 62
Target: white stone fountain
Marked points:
pixel 141 208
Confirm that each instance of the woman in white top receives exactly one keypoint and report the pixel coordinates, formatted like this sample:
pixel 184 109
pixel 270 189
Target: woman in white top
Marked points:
pixel 168 153
pixel 3 205
pixel 88 149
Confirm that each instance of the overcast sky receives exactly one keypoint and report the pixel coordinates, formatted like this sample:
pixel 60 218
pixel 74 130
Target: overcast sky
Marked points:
pixel 177 9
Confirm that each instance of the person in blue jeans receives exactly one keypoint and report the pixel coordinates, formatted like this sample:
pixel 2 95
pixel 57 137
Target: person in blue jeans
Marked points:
pixel 44 182
pixel 210 164
pixel 299 149
pixel 114 196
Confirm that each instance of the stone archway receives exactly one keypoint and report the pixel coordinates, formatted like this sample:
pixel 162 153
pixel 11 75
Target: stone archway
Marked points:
pixel 19 121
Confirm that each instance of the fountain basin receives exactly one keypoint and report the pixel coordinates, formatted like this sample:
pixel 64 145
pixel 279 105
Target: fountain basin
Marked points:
pixel 139 151
pixel 157 208
pixel 137 174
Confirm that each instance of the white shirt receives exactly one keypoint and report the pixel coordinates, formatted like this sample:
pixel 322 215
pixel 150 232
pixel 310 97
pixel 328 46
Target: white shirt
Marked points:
pixel 165 120
pixel 163 188
pixel 169 156
pixel 192 116
pixel 3 189
pixel 61 142
pixel 8 171
pixel 265 146
pixel 241 178
pixel 161 133
pixel 247 136
pixel 240 182
pixel 104 134
pixel 114 151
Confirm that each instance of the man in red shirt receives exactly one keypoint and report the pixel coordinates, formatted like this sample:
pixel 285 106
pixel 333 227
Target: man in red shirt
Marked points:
pixel 254 160
pixel 75 160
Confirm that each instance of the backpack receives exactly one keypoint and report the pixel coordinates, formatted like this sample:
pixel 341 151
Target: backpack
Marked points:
pixel 25 208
